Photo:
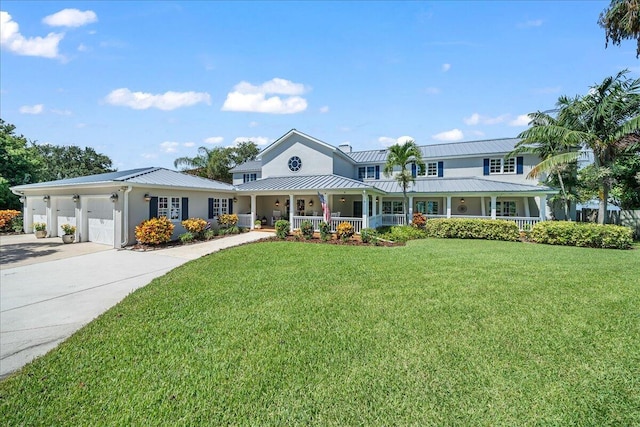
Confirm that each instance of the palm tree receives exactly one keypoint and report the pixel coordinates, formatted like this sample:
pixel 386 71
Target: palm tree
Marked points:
pixel 402 155
pixel 606 120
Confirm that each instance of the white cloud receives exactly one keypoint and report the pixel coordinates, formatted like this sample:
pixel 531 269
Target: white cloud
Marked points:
pixel 189 144
pixel 70 18
pixel 167 101
pixel 13 41
pixel 32 109
pixel 531 23
pixel 387 141
pixel 149 156
pixel 214 140
pixel 476 119
pixel 446 67
pixel 259 140
pixel 521 120
pixel 169 147
pixel 82 48
pixel 450 135
pixel 253 124
pixel 432 90
pixel 247 97
pixel 324 109
pixel 61 112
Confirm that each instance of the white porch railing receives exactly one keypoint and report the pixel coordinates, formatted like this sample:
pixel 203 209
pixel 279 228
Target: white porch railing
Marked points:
pixel 244 220
pixel 521 221
pixel 316 220
pixel 393 219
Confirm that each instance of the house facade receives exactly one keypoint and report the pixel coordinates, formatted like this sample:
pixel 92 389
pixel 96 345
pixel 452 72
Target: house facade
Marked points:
pixel 459 180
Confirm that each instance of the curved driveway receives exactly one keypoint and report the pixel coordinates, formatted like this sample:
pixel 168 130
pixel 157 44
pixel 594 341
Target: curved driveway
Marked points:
pixel 43 302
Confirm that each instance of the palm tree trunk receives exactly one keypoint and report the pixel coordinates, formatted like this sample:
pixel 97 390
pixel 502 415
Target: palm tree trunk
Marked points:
pixel 564 196
pixel 404 204
pixel 602 208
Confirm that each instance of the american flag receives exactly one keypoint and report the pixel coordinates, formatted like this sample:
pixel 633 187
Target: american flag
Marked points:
pixel 325 208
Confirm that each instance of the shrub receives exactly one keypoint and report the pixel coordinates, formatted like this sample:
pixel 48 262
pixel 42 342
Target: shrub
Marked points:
pixel 282 228
pixel 17 225
pixel 209 234
pixel 325 231
pixel 306 228
pixel 345 231
pixel 187 237
pixel 402 233
pixel 460 228
pixel 228 220
pixel 582 234
pixel 39 226
pixel 195 226
pixel 367 234
pixel 419 220
pixel 68 228
pixel 154 231
pixel 6 219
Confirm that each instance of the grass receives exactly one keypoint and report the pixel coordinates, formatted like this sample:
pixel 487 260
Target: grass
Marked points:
pixel 439 332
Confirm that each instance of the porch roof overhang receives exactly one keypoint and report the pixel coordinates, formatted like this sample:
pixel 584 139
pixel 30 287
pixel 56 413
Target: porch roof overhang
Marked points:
pixel 312 183
pixel 471 185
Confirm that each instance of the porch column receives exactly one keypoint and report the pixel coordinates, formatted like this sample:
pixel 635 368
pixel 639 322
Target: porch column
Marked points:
pixel 374 210
pixel 483 207
pixel 254 214
pixel 82 220
pixel 525 200
pixel 543 207
pixel 410 209
pixel 493 206
pixel 291 210
pixel 365 210
pixel 28 215
pixel 448 206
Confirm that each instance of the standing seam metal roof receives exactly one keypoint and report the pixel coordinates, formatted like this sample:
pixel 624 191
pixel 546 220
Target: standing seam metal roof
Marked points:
pixel 461 185
pixel 310 182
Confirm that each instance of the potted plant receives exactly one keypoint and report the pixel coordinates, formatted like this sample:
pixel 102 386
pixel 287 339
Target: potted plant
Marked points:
pixel 257 224
pixel 40 229
pixel 69 233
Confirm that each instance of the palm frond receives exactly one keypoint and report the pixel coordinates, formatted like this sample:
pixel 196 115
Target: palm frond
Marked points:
pixel 553 161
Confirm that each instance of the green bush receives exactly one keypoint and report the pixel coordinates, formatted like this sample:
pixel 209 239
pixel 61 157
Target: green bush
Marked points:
pixel 282 228
pixel 463 228
pixel 306 228
pixel 401 233
pixel 187 237
pixel 367 235
pixel 587 235
pixel 209 234
pixel 325 231
pixel 17 225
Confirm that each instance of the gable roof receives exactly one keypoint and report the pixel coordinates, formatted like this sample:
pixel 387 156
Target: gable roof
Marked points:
pixel 152 176
pixel 249 166
pixel 309 137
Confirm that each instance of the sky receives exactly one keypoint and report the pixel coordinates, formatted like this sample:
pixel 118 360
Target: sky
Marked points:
pixel 147 82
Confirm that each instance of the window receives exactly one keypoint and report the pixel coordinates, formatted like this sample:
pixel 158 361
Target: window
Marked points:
pixel 220 207
pixel 392 207
pixel 248 177
pixel 366 172
pixel 497 166
pixel 169 207
pixel 432 169
pixel 295 164
pixel 506 208
pixel 429 207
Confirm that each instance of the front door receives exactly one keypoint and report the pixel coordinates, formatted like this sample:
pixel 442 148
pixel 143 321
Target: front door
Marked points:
pixel 357 209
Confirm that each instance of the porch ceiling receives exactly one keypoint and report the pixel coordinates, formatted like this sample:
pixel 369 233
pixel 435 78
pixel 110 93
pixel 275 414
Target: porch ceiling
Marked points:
pixel 462 185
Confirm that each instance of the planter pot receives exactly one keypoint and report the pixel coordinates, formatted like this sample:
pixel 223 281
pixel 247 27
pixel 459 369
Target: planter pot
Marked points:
pixel 68 238
pixel 41 234
pixel 257 226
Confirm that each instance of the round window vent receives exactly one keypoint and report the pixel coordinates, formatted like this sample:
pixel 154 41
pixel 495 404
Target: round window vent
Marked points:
pixel 295 164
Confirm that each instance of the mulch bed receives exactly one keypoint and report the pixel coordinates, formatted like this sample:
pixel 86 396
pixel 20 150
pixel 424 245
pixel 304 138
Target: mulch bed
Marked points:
pixel 334 241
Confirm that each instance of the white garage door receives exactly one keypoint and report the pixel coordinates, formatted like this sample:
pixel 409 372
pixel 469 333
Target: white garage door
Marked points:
pixel 39 210
pixel 101 224
pixel 66 213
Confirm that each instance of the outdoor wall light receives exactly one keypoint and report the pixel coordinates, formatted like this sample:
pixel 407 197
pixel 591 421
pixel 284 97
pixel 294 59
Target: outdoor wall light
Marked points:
pixel 462 200
pixel 46 198
pixel 310 202
pixel 75 197
pixel 235 199
pixel 22 199
pixel 113 197
pixel 147 197
pixel 377 199
pixel 342 199
pixel 277 202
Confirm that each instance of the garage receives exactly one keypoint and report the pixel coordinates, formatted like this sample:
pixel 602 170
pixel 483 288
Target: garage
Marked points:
pixel 38 210
pixel 100 221
pixel 66 212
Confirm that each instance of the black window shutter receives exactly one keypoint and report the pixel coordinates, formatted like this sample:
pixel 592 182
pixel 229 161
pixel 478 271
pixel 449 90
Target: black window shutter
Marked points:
pixel 230 206
pixel 153 207
pixel 486 166
pixel 185 208
pixel 377 171
pixel 210 208
pixel 519 165
pixel 414 170
pixel 440 169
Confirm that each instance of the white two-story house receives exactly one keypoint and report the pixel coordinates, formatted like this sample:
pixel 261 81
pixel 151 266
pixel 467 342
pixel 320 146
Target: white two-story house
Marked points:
pixel 464 179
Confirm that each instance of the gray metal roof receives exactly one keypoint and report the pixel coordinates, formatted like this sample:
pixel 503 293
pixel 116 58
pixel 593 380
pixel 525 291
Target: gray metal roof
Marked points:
pixel 145 176
pixel 462 185
pixel 441 151
pixel 250 166
pixel 311 182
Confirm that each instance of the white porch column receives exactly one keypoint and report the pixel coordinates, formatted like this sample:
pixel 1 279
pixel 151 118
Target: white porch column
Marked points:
pixel 365 210
pixel 527 212
pixel 543 207
pixel 493 206
pixel 448 206
pixel 27 215
pixel 410 209
pixel 82 220
pixel 374 209
pixel 291 211
pixel 254 213
pixel 483 207
pixel 52 218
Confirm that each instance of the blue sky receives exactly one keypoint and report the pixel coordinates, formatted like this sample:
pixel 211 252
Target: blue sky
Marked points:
pixel 147 82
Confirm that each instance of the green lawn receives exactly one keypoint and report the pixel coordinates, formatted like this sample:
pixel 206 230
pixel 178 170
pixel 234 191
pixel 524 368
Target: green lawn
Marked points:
pixel 439 332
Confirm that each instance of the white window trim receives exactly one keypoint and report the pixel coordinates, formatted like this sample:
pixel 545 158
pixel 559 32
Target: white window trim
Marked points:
pixel 435 169
pixel 500 208
pixel 220 207
pixel 169 208
pixel 503 165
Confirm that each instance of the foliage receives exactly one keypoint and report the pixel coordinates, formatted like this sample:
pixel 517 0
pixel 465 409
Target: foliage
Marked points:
pixel 7 217
pixel 625 174
pixel 621 20
pixel 209 234
pixel 345 231
pixel 401 233
pixel 68 229
pixel 19 164
pixel 306 229
pixel 402 155
pixel 582 234
pixel 467 228
pixel 228 220
pixel 39 226
pixel 368 234
pixel 325 231
pixel 282 228
pixel 154 231
pixel 187 237
pixel 195 226
pixel 215 163
pixel 419 220
pixel 17 224
pixel 61 162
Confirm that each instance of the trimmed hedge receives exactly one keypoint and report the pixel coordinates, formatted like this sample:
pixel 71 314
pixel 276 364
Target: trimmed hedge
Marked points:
pixel 401 233
pixel 461 228
pixel 582 234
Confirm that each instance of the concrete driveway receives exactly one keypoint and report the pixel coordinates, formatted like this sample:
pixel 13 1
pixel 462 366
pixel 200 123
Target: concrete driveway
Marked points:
pixel 42 303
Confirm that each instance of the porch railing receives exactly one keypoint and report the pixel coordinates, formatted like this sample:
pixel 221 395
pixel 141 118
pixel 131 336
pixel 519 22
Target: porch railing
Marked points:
pixel 523 222
pixel 316 220
pixel 393 219
pixel 244 220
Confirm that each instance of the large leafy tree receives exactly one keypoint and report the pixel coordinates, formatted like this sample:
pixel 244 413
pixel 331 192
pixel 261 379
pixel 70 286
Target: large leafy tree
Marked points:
pixel 403 155
pixel 606 120
pixel 19 164
pixel 621 20
pixel 61 162
pixel 216 163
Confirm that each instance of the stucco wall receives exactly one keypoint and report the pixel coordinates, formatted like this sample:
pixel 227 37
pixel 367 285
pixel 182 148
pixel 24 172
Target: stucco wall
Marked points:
pixel 316 159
